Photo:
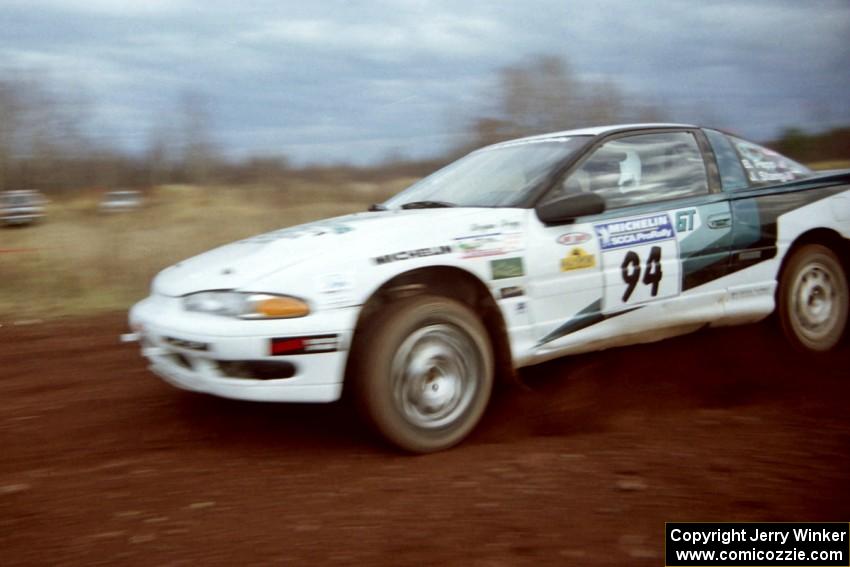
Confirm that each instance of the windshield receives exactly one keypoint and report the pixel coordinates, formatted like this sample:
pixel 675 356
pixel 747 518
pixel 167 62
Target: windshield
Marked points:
pixel 498 176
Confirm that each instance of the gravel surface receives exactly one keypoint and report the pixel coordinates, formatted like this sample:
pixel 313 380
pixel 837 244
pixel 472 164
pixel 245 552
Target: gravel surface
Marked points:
pixel 102 463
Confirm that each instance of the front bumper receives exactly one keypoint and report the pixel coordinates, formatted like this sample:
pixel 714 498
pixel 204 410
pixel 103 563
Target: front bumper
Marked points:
pixel 215 355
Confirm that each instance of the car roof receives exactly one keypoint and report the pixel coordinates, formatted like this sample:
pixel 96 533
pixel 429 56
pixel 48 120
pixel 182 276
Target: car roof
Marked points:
pixel 597 131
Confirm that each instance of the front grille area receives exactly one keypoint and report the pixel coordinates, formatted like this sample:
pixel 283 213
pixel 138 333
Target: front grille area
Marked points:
pixel 183 343
pixel 206 367
pixel 257 369
pixel 181 360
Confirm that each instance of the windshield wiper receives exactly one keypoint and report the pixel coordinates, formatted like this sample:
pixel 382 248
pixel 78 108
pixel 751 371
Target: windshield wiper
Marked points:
pixel 374 207
pixel 427 205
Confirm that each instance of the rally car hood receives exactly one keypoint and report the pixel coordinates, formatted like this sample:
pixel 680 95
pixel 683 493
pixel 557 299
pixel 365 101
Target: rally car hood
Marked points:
pixel 240 264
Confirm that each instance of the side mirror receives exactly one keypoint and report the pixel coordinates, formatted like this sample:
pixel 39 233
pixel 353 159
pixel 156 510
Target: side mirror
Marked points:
pixel 565 209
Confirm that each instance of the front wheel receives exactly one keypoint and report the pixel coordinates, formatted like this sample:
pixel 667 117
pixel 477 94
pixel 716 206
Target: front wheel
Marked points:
pixel 813 299
pixel 423 373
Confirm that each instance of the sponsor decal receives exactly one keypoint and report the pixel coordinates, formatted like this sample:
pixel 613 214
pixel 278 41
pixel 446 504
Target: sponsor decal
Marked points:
pixel 304 345
pixel 685 220
pixel 479 245
pixel 634 232
pixel 409 254
pixel 335 283
pixel 511 291
pixel 749 292
pixel 506 268
pixel 336 289
pixel 521 308
pixel 577 259
pixel 572 238
pixel 488 244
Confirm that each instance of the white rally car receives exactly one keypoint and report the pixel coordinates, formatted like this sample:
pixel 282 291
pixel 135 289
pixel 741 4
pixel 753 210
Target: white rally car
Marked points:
pixel 516 254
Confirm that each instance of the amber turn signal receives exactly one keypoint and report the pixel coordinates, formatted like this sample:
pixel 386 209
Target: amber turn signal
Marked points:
pixel 282 307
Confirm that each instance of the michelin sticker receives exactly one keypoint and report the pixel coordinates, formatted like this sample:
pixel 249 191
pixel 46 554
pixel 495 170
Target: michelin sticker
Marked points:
pixel 410 254
pixel 632 232
pixel 640 260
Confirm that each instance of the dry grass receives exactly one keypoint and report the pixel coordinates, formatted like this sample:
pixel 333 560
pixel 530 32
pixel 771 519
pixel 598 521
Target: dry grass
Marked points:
pixel 834 164
pixel 79 260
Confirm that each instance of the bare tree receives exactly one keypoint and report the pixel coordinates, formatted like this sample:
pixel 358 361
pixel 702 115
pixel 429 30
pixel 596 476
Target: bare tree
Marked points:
pixel 158 153
pixel 602 104
pixel 9 118
pixel 544 94
pixel 541 95
pixel 42 132
pixel 198 149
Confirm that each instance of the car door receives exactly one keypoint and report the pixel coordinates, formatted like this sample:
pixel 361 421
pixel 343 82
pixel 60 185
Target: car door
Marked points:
pixel 753 177
pixel 745 166
pixel 643 264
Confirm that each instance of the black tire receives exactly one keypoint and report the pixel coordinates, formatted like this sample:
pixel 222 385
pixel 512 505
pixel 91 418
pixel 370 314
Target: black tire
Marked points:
pixel 813 299
pixel 423 373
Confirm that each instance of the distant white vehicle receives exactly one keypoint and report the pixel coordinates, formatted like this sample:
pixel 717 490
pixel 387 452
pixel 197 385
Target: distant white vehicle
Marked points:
pixel 519 253
pixel 121 201
pixel 21 207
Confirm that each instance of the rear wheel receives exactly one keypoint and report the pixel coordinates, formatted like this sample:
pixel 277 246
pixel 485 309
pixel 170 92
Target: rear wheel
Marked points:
pixel 424 372
pixel 813 299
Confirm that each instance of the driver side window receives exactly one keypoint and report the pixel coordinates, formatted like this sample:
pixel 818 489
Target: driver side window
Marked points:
pixel 641 169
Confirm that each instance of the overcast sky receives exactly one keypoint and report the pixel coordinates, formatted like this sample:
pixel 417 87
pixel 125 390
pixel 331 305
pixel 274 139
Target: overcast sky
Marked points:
pixel 348 80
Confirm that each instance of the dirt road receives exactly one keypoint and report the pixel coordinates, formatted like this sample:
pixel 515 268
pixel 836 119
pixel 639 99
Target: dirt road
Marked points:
pixel 104 464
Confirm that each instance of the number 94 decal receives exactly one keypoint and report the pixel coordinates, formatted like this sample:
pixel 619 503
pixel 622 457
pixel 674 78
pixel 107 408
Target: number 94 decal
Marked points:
pixel 652 273
pixel 640 274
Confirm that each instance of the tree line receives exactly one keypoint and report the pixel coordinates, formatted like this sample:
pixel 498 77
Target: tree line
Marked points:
pixel 832 145
pixel 46 139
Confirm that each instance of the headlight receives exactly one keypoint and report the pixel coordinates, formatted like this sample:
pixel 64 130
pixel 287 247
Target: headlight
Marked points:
pixel 245 305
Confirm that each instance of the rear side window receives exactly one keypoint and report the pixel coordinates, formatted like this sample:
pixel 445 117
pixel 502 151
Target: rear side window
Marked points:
pixel 732 174
pixel 766 167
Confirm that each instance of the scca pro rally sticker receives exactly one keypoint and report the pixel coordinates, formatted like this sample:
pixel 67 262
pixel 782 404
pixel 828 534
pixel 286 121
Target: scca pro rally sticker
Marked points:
pixel 633 232
pixel 640 260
